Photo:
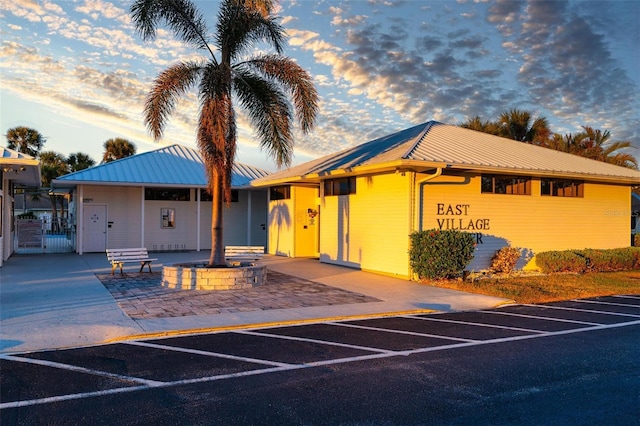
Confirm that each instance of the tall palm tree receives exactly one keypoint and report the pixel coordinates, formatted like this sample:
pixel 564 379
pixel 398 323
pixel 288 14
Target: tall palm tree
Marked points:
pixel 262 85
pixel 117 148
pixel 25 140
pixel 477 124
pixel 596 145
pixel 79 161
pixel 518 124
pixel 52 165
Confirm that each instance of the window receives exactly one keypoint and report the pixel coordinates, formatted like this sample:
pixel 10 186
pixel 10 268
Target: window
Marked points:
pixel 562 188
pixel 205 196
pixel 514 185
pixel 167 194
pixel 168 218
pixel 342 186
pixel 282 192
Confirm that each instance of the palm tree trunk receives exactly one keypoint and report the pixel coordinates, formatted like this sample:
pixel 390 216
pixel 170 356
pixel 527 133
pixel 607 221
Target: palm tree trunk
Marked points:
pixel 217 244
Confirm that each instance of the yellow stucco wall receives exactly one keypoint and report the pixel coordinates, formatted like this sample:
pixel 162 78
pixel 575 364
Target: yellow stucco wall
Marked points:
pixel 292 232
pixel 533 222
pixel 369 230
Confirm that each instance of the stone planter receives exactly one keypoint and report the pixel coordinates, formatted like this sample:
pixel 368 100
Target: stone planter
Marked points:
pixel 192 276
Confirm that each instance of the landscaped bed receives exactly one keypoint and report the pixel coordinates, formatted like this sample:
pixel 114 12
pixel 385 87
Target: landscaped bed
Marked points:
pixel 547 288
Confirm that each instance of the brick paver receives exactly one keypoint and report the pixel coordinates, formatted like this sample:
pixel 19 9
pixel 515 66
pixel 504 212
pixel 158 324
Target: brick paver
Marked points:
pixel 141 296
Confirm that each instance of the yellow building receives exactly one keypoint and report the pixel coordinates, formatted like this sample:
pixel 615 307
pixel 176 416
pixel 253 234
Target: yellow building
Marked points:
pixel 358 207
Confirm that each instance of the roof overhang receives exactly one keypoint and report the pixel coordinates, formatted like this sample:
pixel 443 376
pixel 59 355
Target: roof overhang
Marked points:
pixel 22 171
pixel 418 166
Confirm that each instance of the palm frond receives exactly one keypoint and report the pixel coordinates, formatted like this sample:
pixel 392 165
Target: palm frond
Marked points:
pixel 239 28
pixel 269 111
pixel 296 80
pixel 181 16
pixel 167 87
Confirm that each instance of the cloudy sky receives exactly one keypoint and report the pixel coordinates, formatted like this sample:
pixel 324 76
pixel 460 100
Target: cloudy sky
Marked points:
pixel 76 71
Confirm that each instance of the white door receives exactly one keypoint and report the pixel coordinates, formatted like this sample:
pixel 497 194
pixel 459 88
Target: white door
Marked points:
pixel 94 228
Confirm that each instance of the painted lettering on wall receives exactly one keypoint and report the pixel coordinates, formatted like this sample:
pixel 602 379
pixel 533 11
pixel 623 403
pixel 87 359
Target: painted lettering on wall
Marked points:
pixel 456 217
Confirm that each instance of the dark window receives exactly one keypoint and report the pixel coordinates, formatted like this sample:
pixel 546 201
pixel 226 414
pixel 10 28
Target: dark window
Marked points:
pixel 205 196
pixel 342 186
pixel 282 192
pixel 562 188
pixel 167 194
pixel 518 185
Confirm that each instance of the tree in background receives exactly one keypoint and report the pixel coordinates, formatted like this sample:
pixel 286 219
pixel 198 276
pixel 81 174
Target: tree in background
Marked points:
pixel 117 148
pixel 590 143
pixel 262 85
pixel 79 161
pixel 519 125
pixel 25 140
pixel 52 165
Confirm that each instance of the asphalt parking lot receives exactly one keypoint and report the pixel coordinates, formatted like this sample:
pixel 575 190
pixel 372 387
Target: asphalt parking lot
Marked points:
pixel 102 384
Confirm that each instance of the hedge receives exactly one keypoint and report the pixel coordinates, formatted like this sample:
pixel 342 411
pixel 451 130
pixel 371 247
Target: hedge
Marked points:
pixel 589 260
pixel 437 254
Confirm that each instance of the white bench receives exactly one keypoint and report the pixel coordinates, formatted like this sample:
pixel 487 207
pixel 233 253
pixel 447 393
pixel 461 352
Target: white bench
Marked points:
pixel 243 252
pixel 118 257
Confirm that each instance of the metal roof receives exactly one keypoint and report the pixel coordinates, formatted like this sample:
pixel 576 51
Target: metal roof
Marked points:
pixel 20 168
pixel 172 166
pixel 433 144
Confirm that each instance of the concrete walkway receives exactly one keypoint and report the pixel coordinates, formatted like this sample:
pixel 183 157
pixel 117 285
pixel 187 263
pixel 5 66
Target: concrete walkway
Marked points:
pixel 57 300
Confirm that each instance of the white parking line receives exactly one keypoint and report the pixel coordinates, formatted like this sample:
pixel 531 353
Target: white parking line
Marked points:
pixel 590 311
pixel 628 296
pixel 599 302
pixel 527 330
pixel 410 333
pixel 61 366
pixel 207 353
pixel 322 342
pixel 540 318
pixel 286 367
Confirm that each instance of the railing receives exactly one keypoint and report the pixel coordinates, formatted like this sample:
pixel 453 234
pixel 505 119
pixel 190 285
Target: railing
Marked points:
pixel 44 236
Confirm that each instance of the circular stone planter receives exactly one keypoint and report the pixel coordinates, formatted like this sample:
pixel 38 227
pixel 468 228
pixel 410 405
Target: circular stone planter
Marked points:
pixel 194 276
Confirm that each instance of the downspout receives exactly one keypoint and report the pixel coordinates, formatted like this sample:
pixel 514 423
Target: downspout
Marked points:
pixel 422 182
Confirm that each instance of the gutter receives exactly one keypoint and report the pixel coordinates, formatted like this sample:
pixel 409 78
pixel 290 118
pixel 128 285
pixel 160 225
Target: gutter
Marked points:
pixel 422 182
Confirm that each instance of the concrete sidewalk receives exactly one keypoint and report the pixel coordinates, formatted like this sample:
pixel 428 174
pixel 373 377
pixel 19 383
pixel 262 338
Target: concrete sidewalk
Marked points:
pixel 56 300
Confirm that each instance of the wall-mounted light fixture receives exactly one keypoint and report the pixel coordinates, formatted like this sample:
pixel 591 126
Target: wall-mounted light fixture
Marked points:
pixel 11 169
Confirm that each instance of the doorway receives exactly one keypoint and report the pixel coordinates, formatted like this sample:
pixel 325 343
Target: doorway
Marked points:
pixel 94 232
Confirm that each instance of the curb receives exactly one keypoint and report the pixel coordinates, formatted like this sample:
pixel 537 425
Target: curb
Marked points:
pixel 263 325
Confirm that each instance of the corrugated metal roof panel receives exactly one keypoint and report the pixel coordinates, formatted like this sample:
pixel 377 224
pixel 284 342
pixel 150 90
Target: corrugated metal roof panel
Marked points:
pixel 169 166
pixel 6 153
pixel 442 144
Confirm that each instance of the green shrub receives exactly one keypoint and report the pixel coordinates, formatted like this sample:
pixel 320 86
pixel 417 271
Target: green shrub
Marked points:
pixel 436 254
pixel 560 261
pixel 505 259
pixel 589 260
pixel 636 240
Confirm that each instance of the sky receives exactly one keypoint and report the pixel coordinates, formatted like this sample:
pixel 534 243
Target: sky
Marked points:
pixel 76 70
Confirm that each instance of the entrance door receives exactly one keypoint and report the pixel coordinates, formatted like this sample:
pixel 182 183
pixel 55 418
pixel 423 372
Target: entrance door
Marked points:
pixel 94 228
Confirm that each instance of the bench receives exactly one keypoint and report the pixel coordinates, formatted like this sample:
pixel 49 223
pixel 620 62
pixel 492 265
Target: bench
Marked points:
pixel 118 257
pixel 243 252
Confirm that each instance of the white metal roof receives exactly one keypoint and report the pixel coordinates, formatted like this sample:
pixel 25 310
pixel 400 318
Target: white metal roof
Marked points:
pixel 434 144
pixel 20 168
pixel 171 166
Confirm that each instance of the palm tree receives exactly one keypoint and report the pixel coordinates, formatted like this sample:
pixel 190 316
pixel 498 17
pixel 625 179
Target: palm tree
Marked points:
pixel 595 144
pixel 477 124
pixel 517 124
pixel 262 85
pixel 25 140
pixel 52 165
pixel 117 148
pixel 79 161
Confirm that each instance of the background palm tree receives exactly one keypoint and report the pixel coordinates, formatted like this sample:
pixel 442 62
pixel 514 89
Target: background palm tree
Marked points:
pixel 117 148
pixel 25 140
pixel 52 165
pixel 518 125
pixel 79 161
pixel 262 85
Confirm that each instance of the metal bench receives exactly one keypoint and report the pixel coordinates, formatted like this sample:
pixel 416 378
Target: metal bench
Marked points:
pixel 118 257
pixel 239 253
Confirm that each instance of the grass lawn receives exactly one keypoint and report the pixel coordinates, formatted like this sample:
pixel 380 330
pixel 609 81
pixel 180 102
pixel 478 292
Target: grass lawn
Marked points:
pixel 549 288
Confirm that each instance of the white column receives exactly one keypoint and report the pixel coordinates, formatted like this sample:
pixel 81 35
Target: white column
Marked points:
pixel 249 217
pixel 80 219
pixel 198 218
pixel 142 224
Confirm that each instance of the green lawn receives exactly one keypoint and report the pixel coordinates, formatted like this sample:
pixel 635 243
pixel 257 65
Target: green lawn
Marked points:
pixel 548 288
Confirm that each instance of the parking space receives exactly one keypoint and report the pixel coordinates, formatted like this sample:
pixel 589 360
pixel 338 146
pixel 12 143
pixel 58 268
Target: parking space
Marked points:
pixel 33 379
